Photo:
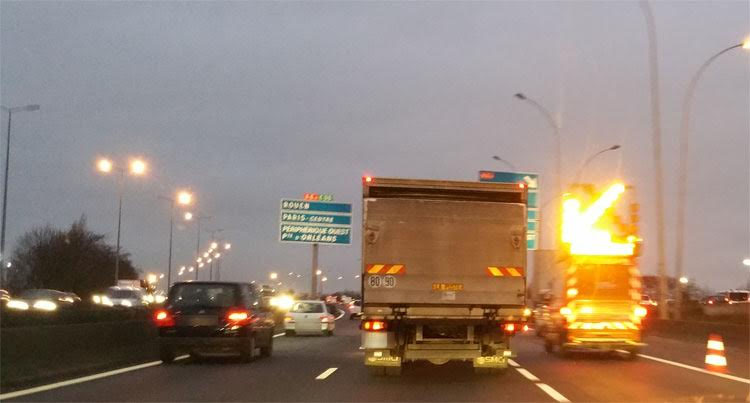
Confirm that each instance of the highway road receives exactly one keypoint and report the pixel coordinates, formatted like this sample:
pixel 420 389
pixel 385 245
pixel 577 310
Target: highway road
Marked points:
pixel 331 369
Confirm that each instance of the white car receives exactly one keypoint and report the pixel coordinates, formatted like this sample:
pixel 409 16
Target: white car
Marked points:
pixel 127 297
pixel 309 317
pixel 355 309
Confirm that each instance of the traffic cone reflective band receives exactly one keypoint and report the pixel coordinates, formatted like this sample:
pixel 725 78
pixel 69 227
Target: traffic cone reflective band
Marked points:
pixel 386 269
pixel 715 359
pixel 494 271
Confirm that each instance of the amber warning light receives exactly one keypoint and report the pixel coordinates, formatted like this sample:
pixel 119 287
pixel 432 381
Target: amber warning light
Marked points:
pixel 367 179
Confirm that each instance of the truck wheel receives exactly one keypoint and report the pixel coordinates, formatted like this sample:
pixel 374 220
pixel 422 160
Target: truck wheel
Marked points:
pixel 633 354
pixel 166 355
pixel 268 349
pixel 549 347
pixel 393 371
pixel 376 371
pixel 329 333
pixel 247 352
pixel 289 333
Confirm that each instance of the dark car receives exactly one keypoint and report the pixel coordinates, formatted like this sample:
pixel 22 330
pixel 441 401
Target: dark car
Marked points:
pixel 214 318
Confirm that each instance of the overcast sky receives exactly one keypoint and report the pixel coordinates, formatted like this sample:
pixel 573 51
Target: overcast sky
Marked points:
pixel 250 102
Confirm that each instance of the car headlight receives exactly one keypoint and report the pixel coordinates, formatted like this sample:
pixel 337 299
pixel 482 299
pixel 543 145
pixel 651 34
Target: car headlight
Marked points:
pixel 284 302
pixel 126 302
pixel 44 305
pixel 16 304
pixel 97 299
pixel 106 301
pixel 160 299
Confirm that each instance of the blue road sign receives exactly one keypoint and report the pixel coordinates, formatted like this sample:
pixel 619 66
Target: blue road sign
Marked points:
pixel 303 221
pixel 532 184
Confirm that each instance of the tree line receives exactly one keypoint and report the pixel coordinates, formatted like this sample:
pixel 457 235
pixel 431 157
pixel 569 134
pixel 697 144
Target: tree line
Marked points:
pixel 75 260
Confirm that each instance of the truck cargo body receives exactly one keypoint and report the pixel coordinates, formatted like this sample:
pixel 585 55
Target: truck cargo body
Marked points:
pixel 444 271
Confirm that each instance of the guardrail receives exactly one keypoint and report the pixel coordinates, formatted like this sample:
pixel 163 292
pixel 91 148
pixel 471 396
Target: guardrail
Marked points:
pixel 734 335
pixel 33 354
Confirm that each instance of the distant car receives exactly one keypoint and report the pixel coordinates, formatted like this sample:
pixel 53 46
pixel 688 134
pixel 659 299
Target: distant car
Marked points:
pixel 126 297
pixel 355 309
pixel 42 300
pixel 737 296
pixel 309 317
pixel 713 300
pixel 214 318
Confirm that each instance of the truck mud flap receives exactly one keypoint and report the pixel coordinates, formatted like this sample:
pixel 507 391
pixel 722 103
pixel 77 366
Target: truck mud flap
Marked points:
pixel 494 361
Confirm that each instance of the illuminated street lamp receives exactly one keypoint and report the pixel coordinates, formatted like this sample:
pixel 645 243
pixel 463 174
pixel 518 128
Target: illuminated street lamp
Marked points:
pixel 214 245
pixel 188 216
pixel 217 255
pixel 183 198
pixel 227 246
pixel 687 105
pixel 151 278
pixel 324 279
pixel 506 162
pixel 136 167
pixel 746 261
pixel 684 280
pixel 318 272
pixel 273 276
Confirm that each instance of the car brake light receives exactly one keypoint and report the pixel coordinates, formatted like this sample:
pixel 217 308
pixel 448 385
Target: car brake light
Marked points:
pixel 509 327
pixel 163 318
pixel 525 328
pixel 374 325
pixel 237 316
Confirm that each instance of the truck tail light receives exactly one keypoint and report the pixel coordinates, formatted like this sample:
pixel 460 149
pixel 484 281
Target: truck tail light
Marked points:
pixel 509 328
pixel 237 316
pixel 163 318
pixel 374 325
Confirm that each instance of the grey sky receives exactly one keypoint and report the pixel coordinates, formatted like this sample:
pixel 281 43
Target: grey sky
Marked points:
pixel 250 102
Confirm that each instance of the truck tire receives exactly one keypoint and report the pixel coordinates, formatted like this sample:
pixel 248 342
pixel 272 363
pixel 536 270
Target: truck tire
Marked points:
pixel 289 333
pixel 247 351
pixel 166 355
pixel 376 371
pixel 632 354
pixel 393 371
pixel 268 349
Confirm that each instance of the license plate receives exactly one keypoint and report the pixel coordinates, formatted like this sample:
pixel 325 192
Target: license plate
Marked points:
pixel 447 287
pixel 199 321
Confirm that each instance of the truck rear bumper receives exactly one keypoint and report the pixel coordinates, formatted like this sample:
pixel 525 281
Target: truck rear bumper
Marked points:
pixel 602 344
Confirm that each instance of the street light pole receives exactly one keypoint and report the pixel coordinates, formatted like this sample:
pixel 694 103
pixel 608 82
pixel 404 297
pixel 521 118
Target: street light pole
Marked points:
pixel 555 128
pixel 120 191
pixel 27 108
pixel 687 105
pixel 591 158
pixel 506 162
pixel 655 98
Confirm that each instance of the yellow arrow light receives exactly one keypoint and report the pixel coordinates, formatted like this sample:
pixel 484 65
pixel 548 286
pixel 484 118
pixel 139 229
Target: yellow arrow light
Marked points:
pixel 578 227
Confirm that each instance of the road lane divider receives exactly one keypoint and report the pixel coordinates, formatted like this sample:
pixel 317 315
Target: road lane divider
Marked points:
pixel 326 374
pixel 83 379
pixel 528 375
pixel 278 335
pixel 552 392
pixel 549 390
pixel 696 369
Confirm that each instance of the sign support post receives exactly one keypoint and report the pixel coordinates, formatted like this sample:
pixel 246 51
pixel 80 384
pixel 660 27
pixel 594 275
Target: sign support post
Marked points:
pixel 314 276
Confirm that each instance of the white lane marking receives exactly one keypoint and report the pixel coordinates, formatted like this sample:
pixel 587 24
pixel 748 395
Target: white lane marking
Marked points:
pixel 279 335
pixel 83 379
pixel 326 373
pixel 513 363
pixel 527 374
pixel 552 392
pixel 677 364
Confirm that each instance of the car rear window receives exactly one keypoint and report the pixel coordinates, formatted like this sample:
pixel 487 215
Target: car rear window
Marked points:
pixel 203 295
pixel 738 296
pixel 307 307
pixel 123 294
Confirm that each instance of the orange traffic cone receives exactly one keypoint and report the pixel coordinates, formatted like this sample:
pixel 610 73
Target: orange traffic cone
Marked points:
pixel 715 359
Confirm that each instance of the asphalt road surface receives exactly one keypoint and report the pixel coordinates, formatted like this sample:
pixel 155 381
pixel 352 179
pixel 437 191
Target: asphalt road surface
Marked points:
pixel 331 369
